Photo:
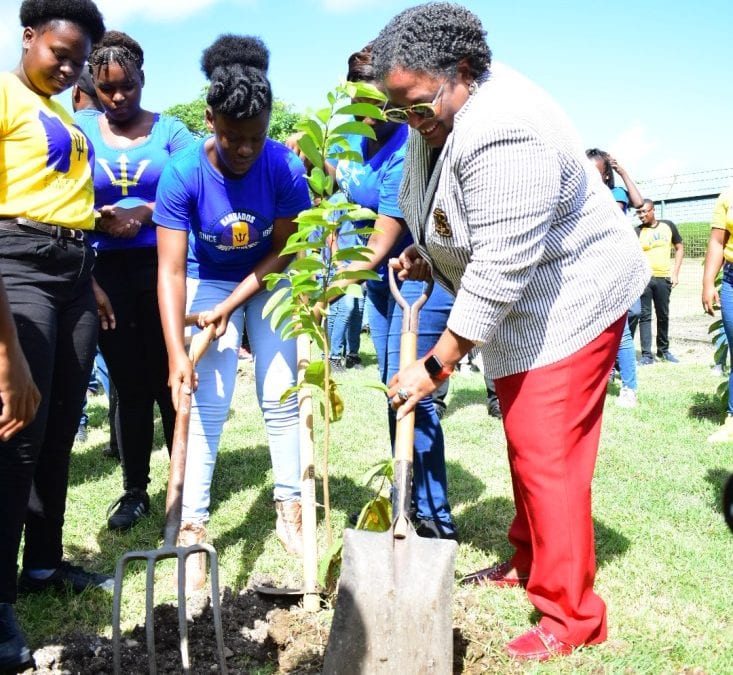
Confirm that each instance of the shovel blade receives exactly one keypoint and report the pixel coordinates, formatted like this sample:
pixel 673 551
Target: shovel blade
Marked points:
pixel 394 607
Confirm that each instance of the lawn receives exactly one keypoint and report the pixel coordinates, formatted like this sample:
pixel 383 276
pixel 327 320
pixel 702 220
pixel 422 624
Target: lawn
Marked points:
pixel 664 553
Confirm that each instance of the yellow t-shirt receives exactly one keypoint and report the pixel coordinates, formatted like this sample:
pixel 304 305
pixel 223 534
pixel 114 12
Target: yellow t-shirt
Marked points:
pixel 657 243
pixel 723 220
pixel 45 172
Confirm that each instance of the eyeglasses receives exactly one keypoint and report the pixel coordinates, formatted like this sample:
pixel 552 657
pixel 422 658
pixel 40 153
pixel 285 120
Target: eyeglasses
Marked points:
pixel 425 111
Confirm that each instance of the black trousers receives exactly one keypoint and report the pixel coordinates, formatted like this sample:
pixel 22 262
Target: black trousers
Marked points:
pixel 657 291
pixel 48 282
pixel 136 356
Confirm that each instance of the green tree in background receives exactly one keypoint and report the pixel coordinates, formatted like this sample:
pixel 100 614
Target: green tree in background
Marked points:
pixel 283 120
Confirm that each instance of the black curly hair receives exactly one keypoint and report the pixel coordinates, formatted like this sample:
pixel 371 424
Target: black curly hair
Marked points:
pixel 84 13
pixel 432 38
pixel 597 153
pixel 361 68
pixel 117 47
pixel 236 66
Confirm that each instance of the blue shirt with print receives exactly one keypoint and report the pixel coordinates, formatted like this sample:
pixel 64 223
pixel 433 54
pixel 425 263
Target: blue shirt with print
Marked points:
pixel 129 177
pixel 229 220
pixel 374 184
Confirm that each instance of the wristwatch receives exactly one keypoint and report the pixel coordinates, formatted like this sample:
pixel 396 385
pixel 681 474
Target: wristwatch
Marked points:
pixel 436 369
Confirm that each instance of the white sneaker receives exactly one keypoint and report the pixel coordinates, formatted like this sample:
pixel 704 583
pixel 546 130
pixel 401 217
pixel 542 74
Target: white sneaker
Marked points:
pixel 627 398
pixel 724 434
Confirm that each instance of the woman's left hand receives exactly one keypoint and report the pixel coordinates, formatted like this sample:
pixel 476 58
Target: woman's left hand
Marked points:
pixel 218 316
pixel 408 386
pixel 104 307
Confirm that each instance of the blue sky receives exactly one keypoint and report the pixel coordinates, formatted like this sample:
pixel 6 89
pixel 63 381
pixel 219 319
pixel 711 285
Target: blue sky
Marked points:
pixel 647 79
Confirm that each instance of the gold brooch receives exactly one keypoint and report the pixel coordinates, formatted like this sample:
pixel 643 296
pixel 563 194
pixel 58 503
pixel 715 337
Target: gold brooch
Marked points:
pixel 442 226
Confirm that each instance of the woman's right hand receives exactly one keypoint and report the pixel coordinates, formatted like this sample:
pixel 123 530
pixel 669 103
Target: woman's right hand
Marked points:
pixel 181 376
pixel 116 222
pixel 411 265
pixel 710 298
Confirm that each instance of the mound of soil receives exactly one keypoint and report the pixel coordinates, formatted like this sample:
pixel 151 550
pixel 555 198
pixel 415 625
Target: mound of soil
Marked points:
pixel 258 630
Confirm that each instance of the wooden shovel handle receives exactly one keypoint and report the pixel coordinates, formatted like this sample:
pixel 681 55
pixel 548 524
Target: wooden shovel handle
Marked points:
pixel 177 472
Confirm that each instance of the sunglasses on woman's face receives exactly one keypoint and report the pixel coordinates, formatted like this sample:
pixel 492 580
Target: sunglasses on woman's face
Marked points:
pixel 424 111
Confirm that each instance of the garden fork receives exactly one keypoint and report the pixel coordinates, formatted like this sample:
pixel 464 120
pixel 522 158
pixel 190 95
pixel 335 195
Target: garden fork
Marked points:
pixel 173 504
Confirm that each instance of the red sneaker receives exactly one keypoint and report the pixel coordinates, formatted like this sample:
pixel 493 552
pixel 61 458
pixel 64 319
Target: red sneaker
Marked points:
pixel 537 644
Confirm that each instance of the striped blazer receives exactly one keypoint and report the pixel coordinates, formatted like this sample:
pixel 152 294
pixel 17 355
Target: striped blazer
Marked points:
pixel 516 222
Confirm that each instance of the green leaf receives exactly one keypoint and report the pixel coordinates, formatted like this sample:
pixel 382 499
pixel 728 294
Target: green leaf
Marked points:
pixel 720 352
pixel 358 128
pixel 315 373
pixel 313 129
pixel 309 149
pixel 289 392
pixel 356 274
pixel 354 290
pixel 367 90
pixel 380 469
pixel 376 516
pixel 331 98
pixel 296 246
pixel 318 181
pixel 330 565
pixel 380 386
pixel 309 264
pixel 362 110
pixel 274 300
pixel 348 155
pixel 323 114
pixel 283 311
pixel 715 325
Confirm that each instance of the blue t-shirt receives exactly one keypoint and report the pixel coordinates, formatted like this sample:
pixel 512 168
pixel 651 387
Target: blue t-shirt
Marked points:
pixel 229 220
pixel 375 183
pixel 621 196
pixel 129 177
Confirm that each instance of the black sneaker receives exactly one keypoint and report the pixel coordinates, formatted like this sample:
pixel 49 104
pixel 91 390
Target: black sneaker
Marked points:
pixel 433 529
pixel 131 507
pixel 493 407
pixel 14 653
pixel 65 575
pixel 352 361
pixel 112 453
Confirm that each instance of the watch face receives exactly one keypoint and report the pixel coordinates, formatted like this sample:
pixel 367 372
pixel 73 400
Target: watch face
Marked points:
pixel 433 366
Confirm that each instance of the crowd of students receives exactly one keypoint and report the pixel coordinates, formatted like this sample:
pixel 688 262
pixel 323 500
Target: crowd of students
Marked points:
pixel 117 223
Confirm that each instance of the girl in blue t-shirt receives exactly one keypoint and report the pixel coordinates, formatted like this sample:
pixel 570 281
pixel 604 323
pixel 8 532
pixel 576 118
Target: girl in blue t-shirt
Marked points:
pixel 224 211
pixel 131 147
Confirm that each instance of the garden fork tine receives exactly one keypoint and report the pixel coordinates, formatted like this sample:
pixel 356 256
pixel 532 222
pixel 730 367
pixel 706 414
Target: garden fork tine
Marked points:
pixel 169 549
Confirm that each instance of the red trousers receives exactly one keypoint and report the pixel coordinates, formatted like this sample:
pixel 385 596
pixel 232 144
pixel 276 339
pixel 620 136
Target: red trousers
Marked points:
pixel 552 421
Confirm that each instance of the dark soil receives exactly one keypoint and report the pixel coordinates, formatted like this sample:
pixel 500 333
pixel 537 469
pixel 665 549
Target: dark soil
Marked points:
pixel 260 633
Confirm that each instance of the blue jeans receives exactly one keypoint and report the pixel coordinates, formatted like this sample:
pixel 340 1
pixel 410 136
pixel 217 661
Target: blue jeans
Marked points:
pixel 275 371
pixel 627 358
pixel 344 325
pixel 726 310
pixel 385 324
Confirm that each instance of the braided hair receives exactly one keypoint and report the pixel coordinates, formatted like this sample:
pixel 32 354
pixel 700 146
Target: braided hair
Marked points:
pixel 117 47
pixel 236 66
pixel 38 13
pixel 361 68
pixel 432 38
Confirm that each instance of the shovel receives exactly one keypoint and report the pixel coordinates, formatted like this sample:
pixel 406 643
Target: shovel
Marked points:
pixel 393 612
pixel 173 503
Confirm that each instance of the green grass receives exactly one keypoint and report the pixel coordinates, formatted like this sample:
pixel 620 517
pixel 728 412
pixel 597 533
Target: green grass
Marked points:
pixel 664 554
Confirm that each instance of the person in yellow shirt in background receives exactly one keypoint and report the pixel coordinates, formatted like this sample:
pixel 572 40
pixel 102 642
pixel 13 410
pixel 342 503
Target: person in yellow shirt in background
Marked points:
pixel 720 254
pixel 46 207
pixel 657 238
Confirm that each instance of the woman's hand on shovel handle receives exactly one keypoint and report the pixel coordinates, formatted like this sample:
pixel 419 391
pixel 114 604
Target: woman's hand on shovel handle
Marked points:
pixel 411 265
pixel 412 382
pixel 219 316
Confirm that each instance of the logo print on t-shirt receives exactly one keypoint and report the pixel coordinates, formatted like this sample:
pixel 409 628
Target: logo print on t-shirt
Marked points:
pixel 59 142
pixel 122 180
